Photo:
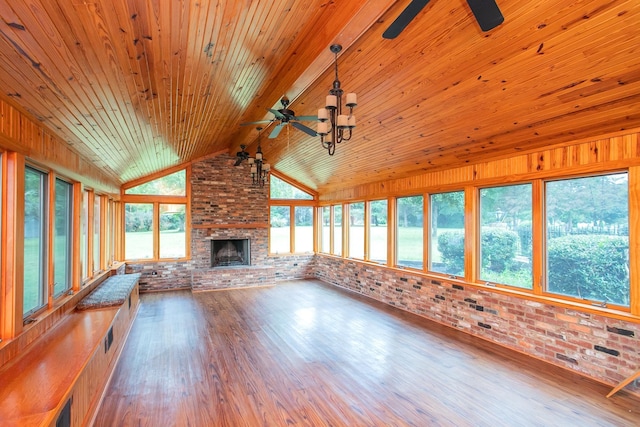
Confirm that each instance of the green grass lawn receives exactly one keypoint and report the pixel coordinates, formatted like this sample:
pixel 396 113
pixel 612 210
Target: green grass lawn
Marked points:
pixel 139 245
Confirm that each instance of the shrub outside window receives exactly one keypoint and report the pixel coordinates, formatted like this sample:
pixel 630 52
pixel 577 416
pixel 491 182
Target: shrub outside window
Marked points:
pixel 410 226
pixel 505 235
pixel 378 231
pixel 587 238
pixel 446 251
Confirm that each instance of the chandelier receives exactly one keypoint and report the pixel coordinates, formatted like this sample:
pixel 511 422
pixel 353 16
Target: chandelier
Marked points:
pixel 334 126
pixel 259 169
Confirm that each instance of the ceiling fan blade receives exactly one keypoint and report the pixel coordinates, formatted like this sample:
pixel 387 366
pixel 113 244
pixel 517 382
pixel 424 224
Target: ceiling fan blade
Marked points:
pixel 304 129
pixel 487 13
pixel 276 131
pixel 277 113
pixel 407 15
pixel 256 122
pixel 238 161
pixel 306 118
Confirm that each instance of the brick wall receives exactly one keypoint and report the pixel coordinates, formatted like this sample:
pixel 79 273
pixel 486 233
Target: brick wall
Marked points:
pixel 224 205
pixel 603 348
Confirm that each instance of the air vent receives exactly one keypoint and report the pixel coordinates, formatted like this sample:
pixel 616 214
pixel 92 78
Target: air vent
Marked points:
pixel 64 419
pixel 108 340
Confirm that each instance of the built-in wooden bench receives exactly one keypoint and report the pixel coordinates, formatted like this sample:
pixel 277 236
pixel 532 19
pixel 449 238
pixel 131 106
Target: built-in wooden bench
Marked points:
pixel 63 374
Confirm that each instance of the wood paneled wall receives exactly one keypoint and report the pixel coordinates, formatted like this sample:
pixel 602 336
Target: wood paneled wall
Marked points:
pixel 616 151
pixel 21 134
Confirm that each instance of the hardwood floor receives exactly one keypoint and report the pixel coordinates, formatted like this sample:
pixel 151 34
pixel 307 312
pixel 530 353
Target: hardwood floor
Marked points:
pixel 309 354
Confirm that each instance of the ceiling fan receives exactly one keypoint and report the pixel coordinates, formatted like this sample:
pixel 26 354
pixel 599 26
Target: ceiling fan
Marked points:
pixel 487 14
pixel 285 116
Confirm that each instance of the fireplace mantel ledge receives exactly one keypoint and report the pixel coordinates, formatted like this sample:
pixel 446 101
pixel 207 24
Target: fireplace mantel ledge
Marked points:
pixel 226 226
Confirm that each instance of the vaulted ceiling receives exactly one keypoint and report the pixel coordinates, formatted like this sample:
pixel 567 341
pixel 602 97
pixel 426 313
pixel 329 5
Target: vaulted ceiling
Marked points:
pixel 138 86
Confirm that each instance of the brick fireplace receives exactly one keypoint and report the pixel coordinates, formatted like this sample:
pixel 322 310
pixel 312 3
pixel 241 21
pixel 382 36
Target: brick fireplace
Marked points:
pixel 224 206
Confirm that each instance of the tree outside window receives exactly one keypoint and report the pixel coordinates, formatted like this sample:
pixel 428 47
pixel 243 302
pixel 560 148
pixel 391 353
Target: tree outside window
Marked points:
pixel 356 230
pixel 410 239
pixel 35 198
pixel 138 230
pixel 303 229
pixel 280 233
pixel 155 218
pixel 337 229
pixel 378 211
pixel 62 236
pixel 325 238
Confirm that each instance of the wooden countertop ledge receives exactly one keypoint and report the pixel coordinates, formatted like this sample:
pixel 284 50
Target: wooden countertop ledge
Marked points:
pixel 38 383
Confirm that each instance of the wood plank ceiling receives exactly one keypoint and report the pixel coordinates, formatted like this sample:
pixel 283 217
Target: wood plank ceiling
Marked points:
pixel 138 86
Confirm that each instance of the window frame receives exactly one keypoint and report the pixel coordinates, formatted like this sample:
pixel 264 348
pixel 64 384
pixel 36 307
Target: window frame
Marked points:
pixel 44 249
pixel 156 201
pixel 348 231
pixel 634 294
pixel 425 215
pixel 472 234
pixel 292 204
pixel 367 234
pixel 72 232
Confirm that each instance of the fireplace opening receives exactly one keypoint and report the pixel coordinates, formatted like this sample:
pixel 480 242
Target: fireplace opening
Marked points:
pixel 230 252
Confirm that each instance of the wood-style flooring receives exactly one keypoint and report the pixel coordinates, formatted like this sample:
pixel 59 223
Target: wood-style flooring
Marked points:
pixel 304 353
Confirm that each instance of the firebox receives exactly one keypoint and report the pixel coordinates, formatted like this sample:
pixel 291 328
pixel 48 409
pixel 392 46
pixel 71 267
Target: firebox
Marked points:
pixel 230 252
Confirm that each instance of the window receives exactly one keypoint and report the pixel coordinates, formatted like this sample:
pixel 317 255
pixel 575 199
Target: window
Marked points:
pixel 505 235
pixel 446 250
pixel 356 230
pixel 587 238
pixel 84 236
pixel 337 230
pixel 35 213
pixel 279 189
pixel 172 231
pixel 156 214
pixel 280 235
pixel 325 239
pixel 169 185
pixel 97 220
pixel 378 231
pixel 109 233
pixel 62 237
pixel 291 222
pixel 303 229
pixel 409 246
pixel 138 230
